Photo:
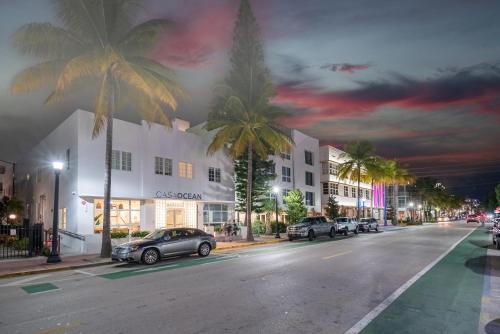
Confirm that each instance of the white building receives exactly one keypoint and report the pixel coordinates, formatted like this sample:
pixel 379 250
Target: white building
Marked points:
pixel 6 177
pixel 345 190
pixel 160 178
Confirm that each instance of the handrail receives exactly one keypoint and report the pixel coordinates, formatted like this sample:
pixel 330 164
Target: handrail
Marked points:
pixel 73 235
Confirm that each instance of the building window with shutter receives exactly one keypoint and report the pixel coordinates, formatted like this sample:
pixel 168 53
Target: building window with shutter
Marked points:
pixel 168 166
pixel 214 174
pixel 346 191
pixel 309 179
pixel 286 174
pixel 308 158
pixel 185 170
pixel 115 159
pixel 126 161
pixel 309 198
pixel 158 166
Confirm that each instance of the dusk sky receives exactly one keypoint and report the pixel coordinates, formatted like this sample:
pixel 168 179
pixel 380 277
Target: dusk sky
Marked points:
pixel 420 79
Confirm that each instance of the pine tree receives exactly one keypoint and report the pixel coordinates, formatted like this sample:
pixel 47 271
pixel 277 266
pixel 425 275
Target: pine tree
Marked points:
pixel 332 208
pixel 295 207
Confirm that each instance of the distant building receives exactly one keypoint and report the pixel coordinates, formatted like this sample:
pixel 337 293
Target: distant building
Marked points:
pixel 344 191
pixel 6 179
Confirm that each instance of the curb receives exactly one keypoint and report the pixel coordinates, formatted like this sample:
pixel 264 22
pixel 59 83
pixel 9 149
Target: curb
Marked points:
pixel 48 270
pixel 88 265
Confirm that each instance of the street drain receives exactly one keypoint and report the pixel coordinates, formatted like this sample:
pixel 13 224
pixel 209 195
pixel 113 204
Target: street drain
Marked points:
pixel 493 327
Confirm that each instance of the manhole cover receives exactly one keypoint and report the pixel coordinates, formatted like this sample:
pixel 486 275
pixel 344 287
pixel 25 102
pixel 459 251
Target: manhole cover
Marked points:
pixel 493 327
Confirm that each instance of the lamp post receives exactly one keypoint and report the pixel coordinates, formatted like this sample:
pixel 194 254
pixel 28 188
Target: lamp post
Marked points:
pixel 54 255
pixel 411 208
pixel 276 191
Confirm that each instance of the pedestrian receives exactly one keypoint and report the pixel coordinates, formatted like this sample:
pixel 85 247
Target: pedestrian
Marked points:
pixel 230 231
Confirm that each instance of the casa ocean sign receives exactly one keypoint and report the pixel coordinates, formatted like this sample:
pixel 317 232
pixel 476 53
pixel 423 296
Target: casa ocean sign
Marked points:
pixel 177 195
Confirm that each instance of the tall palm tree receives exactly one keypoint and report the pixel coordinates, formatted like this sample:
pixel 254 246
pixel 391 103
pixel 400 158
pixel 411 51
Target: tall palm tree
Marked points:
pixel 99 46
pixel 248 130
pixel 360 156
pixel 398 176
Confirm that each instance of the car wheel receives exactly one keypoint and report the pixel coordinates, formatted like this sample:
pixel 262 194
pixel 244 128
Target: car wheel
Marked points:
pixel 310 235
pixel 368 229
pixel 498 244
pixel 332 232
pixel 345 232
pixel 376 228
pixel 150 256
pixel 356 230
pixel 204 249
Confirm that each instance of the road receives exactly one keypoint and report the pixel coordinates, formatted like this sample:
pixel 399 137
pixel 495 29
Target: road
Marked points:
pixel 300 287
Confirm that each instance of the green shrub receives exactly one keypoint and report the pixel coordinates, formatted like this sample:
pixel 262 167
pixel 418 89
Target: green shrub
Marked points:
pixel 218 228
pixel 20 244
pixel 118 235
pixel 258 227
pixel 46 251
pixel 139 234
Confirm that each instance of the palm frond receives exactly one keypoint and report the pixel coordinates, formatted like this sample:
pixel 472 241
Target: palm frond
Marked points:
pixel 141 38
pixel 46 41
pixel 36 76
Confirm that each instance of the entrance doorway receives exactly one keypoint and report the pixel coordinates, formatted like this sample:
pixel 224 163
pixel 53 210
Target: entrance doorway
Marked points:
pixel 175 218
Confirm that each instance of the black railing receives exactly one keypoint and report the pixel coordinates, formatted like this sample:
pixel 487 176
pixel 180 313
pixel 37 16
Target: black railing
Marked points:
pixel 21 241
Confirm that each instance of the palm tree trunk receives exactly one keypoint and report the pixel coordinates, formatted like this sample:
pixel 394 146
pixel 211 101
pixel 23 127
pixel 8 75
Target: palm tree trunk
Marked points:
pixel 358 197
pixel 395 191
pixel 248 216
pixel 371 202
pixel 106 225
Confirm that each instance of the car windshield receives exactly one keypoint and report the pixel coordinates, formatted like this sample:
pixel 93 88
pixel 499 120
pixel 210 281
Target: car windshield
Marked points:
pixel 155 235
pixel 365 220
pixel 342 220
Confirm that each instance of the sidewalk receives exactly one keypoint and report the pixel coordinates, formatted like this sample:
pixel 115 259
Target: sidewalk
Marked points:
pixel 37 265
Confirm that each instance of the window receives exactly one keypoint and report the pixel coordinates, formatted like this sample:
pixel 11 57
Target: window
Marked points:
pixel 309 158
pixel 286 174
pixel 62 218
pixel 346 191
pixel 353 192
pixel 168 166
pixel 158 166
pixel 329 168
pixel 324 167
pixel 284 192
pixel 330 188
pixel 309 179
pixel 214 174
pixel 286 155
pixel 127 161
pixel 216 214
pixel 115 159
pixel 67 158
pixel 125 215
pixel 360 193
pixel 367 194
pixel 309 198
pixel 185 170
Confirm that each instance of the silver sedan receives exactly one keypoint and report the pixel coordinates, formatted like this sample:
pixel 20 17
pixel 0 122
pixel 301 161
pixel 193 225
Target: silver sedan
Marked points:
pixel 165 243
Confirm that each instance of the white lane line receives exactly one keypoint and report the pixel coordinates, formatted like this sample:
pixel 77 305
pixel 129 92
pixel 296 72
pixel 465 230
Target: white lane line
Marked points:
pixel 335 255
pixel 25 280
pixel 157 268
pixel 360 325
pixel 84 272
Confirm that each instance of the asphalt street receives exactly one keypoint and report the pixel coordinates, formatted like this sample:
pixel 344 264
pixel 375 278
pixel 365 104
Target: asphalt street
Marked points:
pixel 299 287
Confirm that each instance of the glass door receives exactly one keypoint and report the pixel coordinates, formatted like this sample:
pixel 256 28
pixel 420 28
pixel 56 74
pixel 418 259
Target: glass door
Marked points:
pixel 175 218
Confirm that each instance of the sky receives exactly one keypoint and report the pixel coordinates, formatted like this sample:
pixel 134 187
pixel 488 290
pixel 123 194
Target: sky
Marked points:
pixel 419 79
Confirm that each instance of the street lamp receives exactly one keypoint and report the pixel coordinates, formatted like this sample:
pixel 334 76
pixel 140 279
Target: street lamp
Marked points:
pixel 276 191
pixel 411 212
pixel 54 255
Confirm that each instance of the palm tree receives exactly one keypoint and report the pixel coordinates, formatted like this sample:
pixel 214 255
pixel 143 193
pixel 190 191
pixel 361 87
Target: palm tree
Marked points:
pixel 99 46
pixel 247 130
pixel 397 176
pixel 360 157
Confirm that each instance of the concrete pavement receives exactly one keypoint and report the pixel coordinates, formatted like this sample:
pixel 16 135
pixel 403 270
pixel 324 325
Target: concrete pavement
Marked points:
pixel 299 287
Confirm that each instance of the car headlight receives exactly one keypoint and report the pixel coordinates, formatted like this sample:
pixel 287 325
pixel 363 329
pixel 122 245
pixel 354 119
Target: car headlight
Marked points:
pixel 303 229
pixel 134 248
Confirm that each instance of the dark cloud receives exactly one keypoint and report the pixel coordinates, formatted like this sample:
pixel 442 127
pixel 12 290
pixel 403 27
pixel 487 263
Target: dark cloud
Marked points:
pixel 345 67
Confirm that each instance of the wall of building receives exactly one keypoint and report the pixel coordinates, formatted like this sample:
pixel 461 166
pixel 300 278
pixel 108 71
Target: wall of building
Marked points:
pixel 6 177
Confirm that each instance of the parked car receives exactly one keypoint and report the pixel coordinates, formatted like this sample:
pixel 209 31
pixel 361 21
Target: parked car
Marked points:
pixel 367 224
pixel 346 225
pixel 472 218
pixel 311 227
pixel 496 235
pixel 164 243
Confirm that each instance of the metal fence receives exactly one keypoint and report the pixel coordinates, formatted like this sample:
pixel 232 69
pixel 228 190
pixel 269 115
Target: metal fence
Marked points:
pixel 21 241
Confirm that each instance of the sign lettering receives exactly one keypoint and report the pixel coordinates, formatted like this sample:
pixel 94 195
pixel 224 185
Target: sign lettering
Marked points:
pixel 177 195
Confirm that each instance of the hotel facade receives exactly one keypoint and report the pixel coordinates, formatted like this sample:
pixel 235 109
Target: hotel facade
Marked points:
pixel 160 178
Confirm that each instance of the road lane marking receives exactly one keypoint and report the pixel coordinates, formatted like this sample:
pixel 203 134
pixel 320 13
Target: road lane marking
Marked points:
pixel 25 280
pixel 61 329
pixel 158 267
pixel 84 272
pixel 361 324
pixel 335 255
pixel 39 288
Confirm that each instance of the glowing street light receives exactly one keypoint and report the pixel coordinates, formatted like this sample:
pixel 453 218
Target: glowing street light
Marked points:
pixel 12 216
pixel 276 191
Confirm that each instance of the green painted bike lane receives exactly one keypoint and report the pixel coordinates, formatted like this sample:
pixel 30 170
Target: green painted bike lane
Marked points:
pixel 447 299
